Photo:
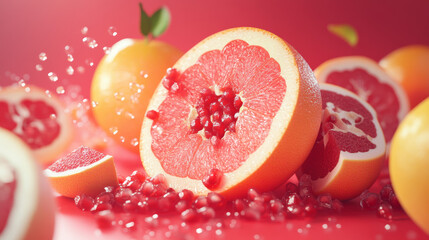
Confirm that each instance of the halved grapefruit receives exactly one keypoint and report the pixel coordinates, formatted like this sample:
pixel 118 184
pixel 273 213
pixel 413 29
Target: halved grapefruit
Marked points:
pixel 37 118
pixel 27 203
pixel 241 107
pixel 369 81
pixel 83 171
pixel 350 148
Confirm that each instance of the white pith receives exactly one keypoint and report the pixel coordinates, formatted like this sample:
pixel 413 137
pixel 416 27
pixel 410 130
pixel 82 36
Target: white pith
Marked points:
pixel 12 96
pixel 26 195
pixel 278 50
pixel 370 66
pixel 52 174
pixel 370 155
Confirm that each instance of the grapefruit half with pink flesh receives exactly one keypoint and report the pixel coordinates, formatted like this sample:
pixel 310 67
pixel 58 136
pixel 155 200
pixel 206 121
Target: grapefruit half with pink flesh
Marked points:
pixel 239 110
pixel 27 203
pixel 369 81
pixel 350 148
pixel 38 119
pixel 83 171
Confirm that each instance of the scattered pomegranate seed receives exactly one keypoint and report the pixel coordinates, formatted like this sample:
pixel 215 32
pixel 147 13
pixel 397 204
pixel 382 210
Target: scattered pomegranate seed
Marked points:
pixel 214 179
pixel 385 192
pixel 251 214
pixel 152 114
pixel 105 219
pixel 385 211
pixel 370 201
pixel 189 215
pixel 84 202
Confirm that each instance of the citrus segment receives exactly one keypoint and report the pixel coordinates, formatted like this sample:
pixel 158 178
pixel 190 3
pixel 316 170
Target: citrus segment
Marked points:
pixel 408 66
pixel 244 100
pixel 38 119
pixel 27 205
pixel 365 78
pixel 346 158
pixel 83 171
pixel 409 163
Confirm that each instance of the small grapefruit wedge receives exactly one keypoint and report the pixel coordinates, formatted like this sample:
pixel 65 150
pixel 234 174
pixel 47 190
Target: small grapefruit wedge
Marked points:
pixel 27 207
pixel 83 171
pixel 350 148
pixel 37 118
pixel 239 110
pixel 369 81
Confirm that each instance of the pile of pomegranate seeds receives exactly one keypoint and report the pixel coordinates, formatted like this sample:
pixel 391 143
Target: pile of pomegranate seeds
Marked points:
pixel 139 195
pixel 383 203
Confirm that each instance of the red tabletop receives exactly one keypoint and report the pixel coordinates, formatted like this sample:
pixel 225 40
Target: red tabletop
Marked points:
pixel 28 28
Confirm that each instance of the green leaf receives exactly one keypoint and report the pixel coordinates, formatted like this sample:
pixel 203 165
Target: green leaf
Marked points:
pixel 346 32
pixel 145 24
pixel 159 21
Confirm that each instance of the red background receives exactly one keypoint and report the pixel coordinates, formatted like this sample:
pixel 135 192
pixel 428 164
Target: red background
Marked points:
pixel 28 28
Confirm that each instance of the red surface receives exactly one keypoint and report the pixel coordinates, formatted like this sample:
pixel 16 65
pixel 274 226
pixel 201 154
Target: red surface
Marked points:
pixel 28 28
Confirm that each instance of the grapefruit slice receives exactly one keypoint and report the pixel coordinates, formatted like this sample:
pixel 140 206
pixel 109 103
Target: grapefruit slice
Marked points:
pixel 369 81
pixel 350 148
pixel 83 171
pixel 38 119
pixel 239 110
pixel 27 204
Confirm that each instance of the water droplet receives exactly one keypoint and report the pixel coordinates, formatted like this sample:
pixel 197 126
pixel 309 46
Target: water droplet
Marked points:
pixel 68 49
pixel 39 67
pixel 89 62
pixel 338 225
pixel 113 130
pixel 94 104
pixel 325 226
pixel 106 50
pixel 48 93
pixel 80 69
pixel 70 70
pixel 90 42
pixel 27 89
pixel 60 90
pixel 199 230
pixel 130 115
pixel 43 57
pixel 70 58
pixel 218 232
pixel 119 96
pixel 53 77
pixel 22 83
pixel 122 139
pixel 112 31
pixel 387 227
pixel 134 142
pixel 119 111
pixel 84 30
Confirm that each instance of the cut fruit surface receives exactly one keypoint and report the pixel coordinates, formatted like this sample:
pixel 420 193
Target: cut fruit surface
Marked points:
pixel 368 80
pixel 27 205
pixel 38 119
pixel 243 102
pixel 83 171
pixel 350 148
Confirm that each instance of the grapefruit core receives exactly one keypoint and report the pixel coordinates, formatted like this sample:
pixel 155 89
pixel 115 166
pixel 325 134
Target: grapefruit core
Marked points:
pixel 83 171
pixel 38 119
pixel 369 81
pixel 261 131
pixel 27 204
pixel 348 154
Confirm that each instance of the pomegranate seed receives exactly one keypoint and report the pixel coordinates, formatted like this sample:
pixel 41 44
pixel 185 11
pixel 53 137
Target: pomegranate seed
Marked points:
pixel 105 219
pixel 206 212
pixel 129 206
pixel 215 200
pixel 239 205
pixel 385 192
pixel 217 116
pixel 276 206
pixel 152 114
pixel 258 206
pixel 310 210
pixel 227 119
pixel 182 205
pixel 84 202
pixel 385 211
pixel 214 107
pixel 291 188
pixel 121 179
pixel 370 201
pixel 325 200
pixel 109 189
pixel 147 188
pixel 393 200
pixel 186 195
pixel 277 217
pixel 252 194
pixel 292 200
pixel 295 210
pixel 201 201
pixel 215 141
pixel 172 73
pixel 214 179
pixel 337 205
pixel 165 204
pixel 138 175
pixel 231 127
pixel 174 88
pixel 328 126
pixel 196 125
pixel 122 194
pixel 166 82
pixel 228 93
pixel 105 197
pixel 251 214
pixel 189 215
pixel 237 102
pixel 101 207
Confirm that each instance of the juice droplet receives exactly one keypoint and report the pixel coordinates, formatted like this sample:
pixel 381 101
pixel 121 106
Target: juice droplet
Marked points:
pixel 70 58
pixel 90 42
pixel 22 83
pixel 94 104
pixel 39 67
pixel 122 138
pixel 106 50
pixel 70 70
pixel 43 57
pixel 119 111
pixel 112 31
pixel 68 49
pixel 84 30
pixel 130 115
pixel 60 90
pixel 48 93
pixel 89 62
pixel 53 77
pixel 134 142
pixel 113 130
pixel 27 89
